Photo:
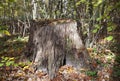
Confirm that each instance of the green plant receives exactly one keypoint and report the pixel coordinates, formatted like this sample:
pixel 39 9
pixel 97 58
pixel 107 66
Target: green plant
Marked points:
pixel 116 72
pixel 98 61
pixel 91 73
pixel 117 59
pixel 7 61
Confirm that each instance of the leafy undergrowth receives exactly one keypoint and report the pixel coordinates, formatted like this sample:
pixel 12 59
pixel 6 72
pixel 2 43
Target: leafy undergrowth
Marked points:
pixel 12 45
pixel 106 65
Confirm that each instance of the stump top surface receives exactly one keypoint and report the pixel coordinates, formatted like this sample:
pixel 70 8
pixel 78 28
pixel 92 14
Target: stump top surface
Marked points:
pixel 45 22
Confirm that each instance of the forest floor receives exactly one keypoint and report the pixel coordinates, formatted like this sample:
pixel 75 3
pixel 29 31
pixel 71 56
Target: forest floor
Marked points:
pixel 106 64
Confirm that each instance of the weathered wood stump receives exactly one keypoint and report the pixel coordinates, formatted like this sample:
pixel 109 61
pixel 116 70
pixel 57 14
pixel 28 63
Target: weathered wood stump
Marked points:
pixel 55 43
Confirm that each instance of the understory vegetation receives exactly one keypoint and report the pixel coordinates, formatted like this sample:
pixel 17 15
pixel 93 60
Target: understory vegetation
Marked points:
pixel 98 25
pixel 105 62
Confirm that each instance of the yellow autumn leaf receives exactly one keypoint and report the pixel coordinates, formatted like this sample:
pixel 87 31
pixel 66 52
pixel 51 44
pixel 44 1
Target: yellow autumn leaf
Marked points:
pixel 7 33
pixel 20 74
pixel 12 58
pixel 70 70
pixel 26 67
pixel 4 32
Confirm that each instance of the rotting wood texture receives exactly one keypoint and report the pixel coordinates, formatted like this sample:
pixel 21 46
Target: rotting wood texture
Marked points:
pixel 54 43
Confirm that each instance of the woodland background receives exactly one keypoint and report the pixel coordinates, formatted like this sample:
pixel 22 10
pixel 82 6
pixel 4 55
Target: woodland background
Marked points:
pixel 98 25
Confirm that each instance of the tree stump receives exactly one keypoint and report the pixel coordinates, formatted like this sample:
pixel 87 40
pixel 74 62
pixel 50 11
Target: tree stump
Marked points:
pixel 54 43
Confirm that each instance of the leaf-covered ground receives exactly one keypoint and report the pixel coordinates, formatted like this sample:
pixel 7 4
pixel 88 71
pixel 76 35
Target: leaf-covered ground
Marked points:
pixel 105 62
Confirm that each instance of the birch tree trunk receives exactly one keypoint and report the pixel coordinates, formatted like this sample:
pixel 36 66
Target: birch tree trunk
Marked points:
pixel 34 10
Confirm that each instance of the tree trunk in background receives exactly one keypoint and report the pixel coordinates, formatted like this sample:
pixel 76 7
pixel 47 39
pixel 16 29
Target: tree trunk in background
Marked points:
pixel 55 43
pixel 34 10
pixel 89 30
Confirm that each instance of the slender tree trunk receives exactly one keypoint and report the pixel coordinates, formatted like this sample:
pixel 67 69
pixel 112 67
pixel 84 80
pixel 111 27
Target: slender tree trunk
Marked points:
pixel 89 29
pixel 34 10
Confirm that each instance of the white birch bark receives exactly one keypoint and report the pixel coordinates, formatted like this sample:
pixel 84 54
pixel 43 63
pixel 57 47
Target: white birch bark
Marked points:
pixel 34 10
